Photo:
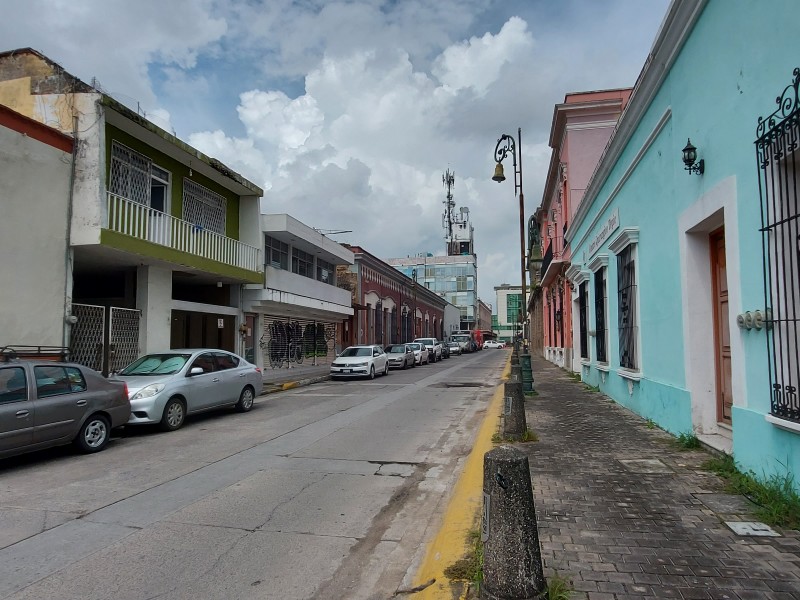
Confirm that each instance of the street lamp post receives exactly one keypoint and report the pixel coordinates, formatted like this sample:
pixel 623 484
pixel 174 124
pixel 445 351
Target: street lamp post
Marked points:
pixel 506 145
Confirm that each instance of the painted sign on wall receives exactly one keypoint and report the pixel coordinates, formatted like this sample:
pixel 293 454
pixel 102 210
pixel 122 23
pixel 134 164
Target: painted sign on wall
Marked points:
pixel 611 224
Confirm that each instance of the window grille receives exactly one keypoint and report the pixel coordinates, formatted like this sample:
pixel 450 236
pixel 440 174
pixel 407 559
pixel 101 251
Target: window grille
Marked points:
pixel 204 208
pixel 778 138
pixel 379 323
pixel 277 253
pixel 600 314
pixel 627 313
pixel 302 263
pixel 130 174
pixel 584 333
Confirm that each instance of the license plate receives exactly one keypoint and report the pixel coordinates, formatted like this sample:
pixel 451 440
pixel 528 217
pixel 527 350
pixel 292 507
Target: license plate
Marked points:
pixel 347 370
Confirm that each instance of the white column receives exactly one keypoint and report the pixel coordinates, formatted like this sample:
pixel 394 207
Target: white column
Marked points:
pixel 154 299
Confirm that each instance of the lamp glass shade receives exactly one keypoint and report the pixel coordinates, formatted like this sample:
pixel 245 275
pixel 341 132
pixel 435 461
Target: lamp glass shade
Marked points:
pixel 689 154
pixel 498 173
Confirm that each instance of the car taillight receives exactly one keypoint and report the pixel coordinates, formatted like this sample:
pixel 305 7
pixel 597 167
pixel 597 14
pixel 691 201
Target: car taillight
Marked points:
pixel 258 370
pixel 125 387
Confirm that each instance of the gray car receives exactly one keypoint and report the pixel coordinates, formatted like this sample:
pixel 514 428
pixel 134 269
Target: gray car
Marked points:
pixel 46 403
pixel 400 356
pixel 167 386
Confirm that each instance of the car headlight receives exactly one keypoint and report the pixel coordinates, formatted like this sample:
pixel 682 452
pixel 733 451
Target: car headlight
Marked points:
pixel 361 364
pixel 149 391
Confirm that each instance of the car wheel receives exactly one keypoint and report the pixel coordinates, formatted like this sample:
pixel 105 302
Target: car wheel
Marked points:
pixel 246 399
pixel 93 435
pixel 372 371
pixel 174 415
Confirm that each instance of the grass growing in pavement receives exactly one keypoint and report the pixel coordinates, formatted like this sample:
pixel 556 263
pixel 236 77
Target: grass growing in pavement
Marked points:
pixel 558 588
pixel 469 568
pixel 777 501
pixel 687 441
pixel 650 424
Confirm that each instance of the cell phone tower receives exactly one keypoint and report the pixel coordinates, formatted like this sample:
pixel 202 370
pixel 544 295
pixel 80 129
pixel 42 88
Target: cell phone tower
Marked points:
pixel 457 226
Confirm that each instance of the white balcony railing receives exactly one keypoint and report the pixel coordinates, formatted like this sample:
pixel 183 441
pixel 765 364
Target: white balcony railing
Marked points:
pixel 145 223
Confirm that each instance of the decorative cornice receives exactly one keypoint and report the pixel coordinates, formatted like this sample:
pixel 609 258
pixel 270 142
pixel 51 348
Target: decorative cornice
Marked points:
pixel 626 237
pixel 599 261
pixel 674 31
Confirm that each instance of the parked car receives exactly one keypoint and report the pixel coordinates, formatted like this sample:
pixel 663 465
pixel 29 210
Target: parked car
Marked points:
pixel 493 344
pixel 46 403
pixel 420 353
pixel 360 361
pixel 167 386
pixel 464 341
pixel 454 347
pixel 400 356
pixel 434 347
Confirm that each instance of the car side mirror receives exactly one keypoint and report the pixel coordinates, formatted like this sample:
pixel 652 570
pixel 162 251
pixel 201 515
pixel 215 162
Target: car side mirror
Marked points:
pixel 196 371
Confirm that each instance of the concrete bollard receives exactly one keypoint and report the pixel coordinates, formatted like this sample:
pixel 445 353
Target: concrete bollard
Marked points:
pixel 516 373
pixel 512 559
pixel 514 423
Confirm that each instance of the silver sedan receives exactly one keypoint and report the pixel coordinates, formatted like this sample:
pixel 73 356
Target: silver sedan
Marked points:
pixel 166 386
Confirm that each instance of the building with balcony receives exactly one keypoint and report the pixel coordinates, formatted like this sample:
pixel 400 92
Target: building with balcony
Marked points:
pixel 297 313
pixel 581 128
pixel 158 237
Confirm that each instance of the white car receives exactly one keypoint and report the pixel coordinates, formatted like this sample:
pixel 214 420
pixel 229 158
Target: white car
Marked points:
pixel 493 344
pixel 434 347
pixel 360 361
pixel 455 347
pixel 420 353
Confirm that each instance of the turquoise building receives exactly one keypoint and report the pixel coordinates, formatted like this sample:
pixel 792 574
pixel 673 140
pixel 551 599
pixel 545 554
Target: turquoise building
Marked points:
pixel 685 270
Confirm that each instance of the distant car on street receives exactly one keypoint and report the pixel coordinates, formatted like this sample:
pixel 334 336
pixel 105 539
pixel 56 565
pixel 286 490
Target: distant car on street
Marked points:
pixel 434 347
pixel 493 344
pixel 46 403
pixel 167 386
pixel 401 356
pixel 454 347
pixel 360 361
pixel 420 353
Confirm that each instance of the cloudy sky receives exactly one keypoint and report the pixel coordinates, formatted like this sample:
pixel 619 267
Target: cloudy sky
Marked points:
pixel 348 112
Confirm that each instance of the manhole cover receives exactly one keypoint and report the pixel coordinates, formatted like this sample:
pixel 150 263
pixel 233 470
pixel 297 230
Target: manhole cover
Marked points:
pixel 752 528
pixel 645 465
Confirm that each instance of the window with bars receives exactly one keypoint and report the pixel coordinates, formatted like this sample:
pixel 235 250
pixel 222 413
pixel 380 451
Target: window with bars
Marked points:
pixel 325 271
pixel 204 208
pixel 600 315
pixel 302 263
pixel 778 185
pixel 130 174
pixel 277 253
pixel 627 309
pixel 584 330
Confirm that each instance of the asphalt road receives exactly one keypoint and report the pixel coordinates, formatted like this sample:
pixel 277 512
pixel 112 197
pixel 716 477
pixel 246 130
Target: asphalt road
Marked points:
pixel 326 491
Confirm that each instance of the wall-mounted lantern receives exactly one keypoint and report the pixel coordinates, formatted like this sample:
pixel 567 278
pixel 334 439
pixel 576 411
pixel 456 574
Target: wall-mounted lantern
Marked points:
pixel 690 159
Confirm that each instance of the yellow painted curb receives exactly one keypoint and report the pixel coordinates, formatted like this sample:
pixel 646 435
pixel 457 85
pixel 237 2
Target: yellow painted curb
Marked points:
pixel 290 385
pixel 451 542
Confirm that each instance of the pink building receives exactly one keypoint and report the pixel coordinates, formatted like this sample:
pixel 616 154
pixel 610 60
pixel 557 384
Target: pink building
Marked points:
pixel 582 126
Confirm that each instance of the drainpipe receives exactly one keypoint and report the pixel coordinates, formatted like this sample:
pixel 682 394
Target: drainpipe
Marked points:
pixel 65 338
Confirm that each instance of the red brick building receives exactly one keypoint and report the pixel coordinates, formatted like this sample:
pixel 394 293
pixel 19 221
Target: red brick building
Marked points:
pixel 388 306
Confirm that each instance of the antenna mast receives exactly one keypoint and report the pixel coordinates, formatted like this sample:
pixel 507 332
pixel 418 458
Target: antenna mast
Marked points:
pixel 448 179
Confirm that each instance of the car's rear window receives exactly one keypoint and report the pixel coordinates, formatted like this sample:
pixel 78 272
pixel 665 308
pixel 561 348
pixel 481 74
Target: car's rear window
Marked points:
pixel 13 385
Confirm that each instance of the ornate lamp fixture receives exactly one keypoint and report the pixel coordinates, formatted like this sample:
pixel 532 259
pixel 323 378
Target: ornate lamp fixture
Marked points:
pixel 690 159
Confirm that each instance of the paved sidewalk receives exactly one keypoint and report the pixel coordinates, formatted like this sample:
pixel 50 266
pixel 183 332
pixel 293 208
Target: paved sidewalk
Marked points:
pixel 276 380
pixel 623 513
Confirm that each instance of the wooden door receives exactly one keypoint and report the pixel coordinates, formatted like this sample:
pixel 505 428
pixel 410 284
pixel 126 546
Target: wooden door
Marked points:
pixel 722 337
